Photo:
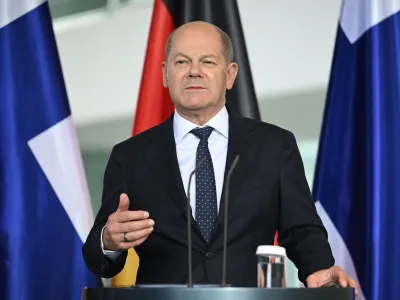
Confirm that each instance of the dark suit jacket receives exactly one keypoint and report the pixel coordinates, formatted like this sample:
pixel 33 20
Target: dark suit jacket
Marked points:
pixel 268 192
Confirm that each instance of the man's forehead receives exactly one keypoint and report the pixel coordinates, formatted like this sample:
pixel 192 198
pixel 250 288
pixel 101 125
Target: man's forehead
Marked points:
pixel 197 46
pixel 199 34
pixel 198 53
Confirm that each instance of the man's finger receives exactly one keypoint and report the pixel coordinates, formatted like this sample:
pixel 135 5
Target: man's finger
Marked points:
pixel 353 284
pixel 123 203
pixel 130 215
pixel 135 225
pixel 343 278
pixel 137 235
pixel 338 276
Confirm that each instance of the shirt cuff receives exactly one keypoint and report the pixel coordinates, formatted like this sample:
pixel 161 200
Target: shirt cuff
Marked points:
pixel 110 254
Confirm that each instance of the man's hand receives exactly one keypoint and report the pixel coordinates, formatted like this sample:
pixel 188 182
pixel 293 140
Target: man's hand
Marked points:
pixel 135 225
pixel 329 277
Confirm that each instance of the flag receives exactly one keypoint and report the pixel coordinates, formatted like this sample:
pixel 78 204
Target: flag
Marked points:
pixel 357 176
pixel 45 210
pixel 154 103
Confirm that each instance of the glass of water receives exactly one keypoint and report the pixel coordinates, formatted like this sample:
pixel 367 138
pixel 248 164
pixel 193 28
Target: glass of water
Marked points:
pixel 271 266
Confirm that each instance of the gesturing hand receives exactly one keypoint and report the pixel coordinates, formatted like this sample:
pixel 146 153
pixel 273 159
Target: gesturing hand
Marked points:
pixel 126 229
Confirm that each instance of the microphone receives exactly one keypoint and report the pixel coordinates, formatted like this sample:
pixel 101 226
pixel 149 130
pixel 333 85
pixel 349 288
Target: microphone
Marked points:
pixel 228 178
pixel 189 228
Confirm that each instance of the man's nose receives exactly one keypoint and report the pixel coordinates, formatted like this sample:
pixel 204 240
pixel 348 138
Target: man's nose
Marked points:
pixel 195 70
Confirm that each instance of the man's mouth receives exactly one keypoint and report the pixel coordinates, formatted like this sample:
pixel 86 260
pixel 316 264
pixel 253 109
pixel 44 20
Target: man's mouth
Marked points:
pixel 195 88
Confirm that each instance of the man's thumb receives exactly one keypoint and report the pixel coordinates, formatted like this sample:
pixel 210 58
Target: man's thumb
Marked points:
pixel 123 203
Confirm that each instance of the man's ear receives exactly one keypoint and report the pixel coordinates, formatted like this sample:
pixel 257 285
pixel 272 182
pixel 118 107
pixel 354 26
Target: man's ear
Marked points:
pixel 164 72
pixel 232 72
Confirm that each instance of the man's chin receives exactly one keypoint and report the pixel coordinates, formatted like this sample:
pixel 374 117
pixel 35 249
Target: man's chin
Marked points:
pixel 195 105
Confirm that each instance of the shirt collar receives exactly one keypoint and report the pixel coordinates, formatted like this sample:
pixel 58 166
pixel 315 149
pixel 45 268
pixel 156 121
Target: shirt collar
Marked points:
pixel 219 122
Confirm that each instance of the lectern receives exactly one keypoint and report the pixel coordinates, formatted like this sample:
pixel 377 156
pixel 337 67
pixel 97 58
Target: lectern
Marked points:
pixel 217 293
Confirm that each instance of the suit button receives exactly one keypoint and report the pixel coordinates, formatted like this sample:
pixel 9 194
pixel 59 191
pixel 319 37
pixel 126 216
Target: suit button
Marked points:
pixel 209 255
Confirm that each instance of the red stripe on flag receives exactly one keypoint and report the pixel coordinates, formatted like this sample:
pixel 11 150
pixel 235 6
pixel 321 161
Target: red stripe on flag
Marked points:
pixel 154 104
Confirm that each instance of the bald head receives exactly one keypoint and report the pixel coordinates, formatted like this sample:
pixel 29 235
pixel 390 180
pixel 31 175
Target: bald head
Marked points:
pixel 199 26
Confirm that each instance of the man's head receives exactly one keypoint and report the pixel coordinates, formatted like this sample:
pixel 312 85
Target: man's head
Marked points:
pixel 199 68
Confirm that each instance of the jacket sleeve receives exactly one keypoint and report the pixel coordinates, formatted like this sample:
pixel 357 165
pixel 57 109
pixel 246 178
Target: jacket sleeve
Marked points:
pixel 301 230
pixel 114 184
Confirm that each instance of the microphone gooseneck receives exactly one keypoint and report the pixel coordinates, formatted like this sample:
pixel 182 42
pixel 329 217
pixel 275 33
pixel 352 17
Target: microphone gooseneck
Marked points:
pixel 228 178
pixel 189 229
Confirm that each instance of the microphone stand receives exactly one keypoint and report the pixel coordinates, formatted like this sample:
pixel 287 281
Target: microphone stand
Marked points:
pixel 228 178
pixel 189 225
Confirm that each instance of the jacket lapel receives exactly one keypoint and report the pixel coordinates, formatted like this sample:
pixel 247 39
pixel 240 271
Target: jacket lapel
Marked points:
pixel 241 142
pixel 162 158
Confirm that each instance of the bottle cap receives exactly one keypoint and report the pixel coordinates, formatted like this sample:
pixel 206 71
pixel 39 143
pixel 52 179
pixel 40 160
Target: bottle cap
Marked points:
pixel 271 250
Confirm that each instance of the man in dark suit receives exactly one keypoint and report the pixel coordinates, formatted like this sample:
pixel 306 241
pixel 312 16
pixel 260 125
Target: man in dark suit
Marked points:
pixel 144 197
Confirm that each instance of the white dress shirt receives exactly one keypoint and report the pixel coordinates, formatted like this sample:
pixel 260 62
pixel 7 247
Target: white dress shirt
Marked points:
pixel 186 148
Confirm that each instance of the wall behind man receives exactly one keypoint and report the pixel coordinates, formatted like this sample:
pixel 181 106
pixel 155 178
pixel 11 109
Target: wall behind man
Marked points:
pixel 290 46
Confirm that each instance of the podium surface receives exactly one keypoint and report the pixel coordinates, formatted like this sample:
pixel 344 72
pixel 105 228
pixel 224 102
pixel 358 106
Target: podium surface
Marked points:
pixel 217 293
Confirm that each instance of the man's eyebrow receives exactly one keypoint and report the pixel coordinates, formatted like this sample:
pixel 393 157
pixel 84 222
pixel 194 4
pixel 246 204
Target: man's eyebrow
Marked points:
pixel 208 56
pixel 201 57
pixel 182 54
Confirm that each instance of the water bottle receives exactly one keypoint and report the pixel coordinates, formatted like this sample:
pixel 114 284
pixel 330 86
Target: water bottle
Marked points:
pixel 271 266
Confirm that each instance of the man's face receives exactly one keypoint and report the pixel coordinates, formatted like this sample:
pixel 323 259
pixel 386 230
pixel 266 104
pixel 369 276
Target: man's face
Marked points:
pixel 196 72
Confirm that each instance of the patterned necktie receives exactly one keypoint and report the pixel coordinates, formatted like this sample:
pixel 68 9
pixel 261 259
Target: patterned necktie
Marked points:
pixel 206 195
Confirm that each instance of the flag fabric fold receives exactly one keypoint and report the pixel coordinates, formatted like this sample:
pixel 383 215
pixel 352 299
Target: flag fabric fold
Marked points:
pixel 45 210
pixel 357 175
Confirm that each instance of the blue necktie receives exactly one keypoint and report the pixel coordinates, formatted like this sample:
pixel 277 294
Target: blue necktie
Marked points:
pixel 206 195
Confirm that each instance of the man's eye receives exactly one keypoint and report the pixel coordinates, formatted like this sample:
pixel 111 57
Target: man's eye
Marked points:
pixel 208 62
pixel 180 62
